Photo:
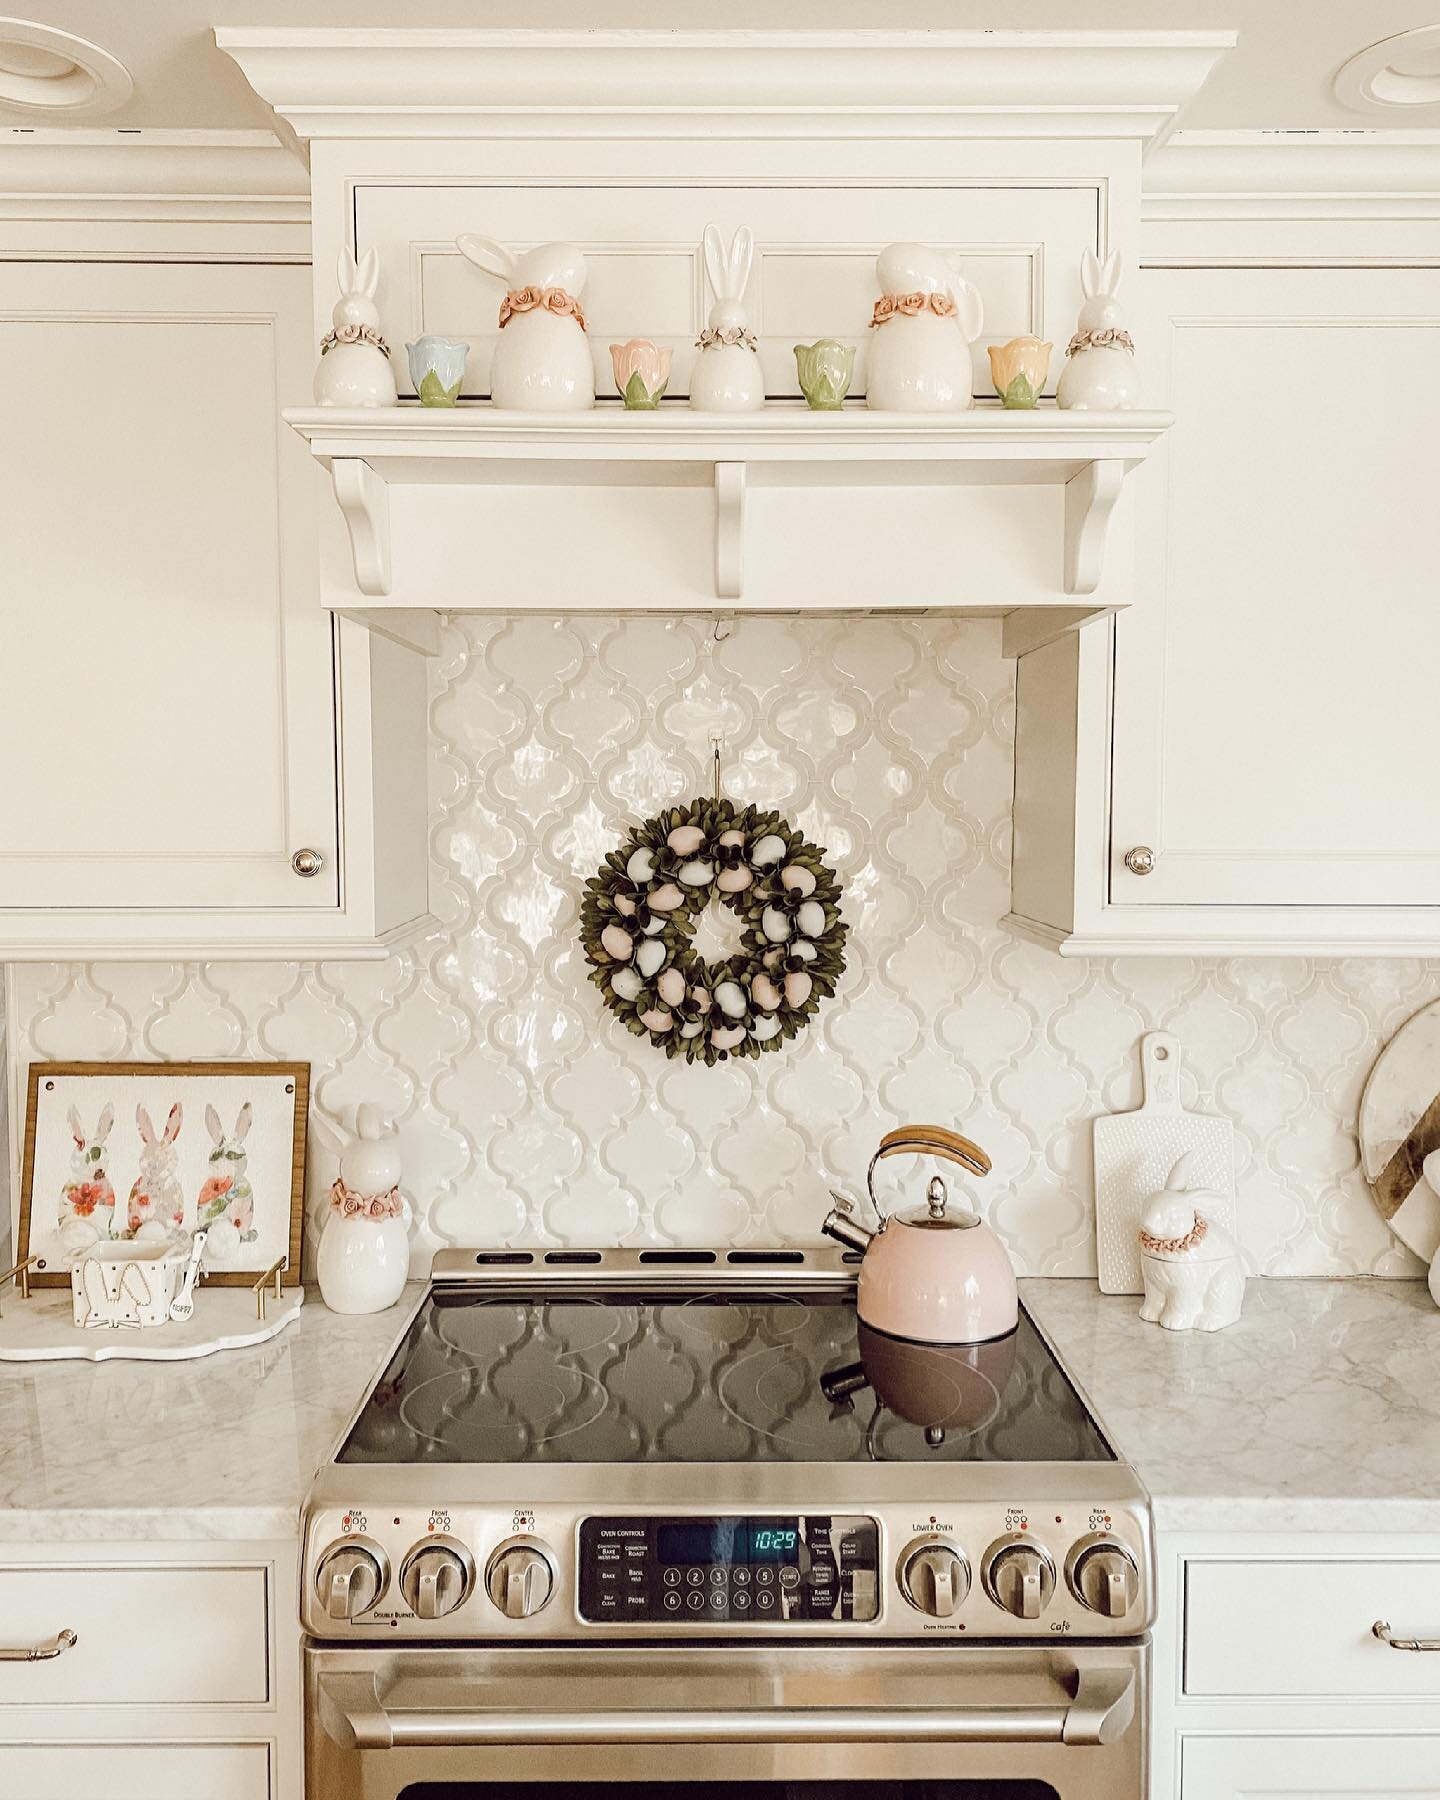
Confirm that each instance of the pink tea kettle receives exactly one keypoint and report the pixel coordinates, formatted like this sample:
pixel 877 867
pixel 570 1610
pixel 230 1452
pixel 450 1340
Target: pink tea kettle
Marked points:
pixel 932 1274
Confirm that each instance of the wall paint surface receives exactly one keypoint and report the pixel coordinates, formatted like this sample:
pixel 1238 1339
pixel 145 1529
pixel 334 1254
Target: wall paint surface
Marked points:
pixel 529 1115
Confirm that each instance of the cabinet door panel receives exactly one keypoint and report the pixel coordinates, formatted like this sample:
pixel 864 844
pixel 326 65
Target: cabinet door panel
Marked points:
pixel 1318 1768
pixel 1273 688
pixel 136 1771
pixel 166 687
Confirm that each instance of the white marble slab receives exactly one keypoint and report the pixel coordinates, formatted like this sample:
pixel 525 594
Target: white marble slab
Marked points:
pixel 222 1448
pixel 1319 1411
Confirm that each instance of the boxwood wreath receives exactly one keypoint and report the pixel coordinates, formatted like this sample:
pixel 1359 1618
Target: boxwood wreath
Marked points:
pixel 639 916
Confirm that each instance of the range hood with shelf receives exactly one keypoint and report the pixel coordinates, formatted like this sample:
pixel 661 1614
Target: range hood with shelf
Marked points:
pixel 1014 151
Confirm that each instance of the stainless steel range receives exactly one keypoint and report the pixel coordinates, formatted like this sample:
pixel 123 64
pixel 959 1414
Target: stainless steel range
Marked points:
pixel 666 1518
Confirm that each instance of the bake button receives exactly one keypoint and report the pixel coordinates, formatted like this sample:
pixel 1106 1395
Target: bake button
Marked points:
pixel 695 1578
pixel 695 1602
pixel 671 1577
pixel 765 1600
pixel 741 1602
pixel 608 1578
pixel 740 1577
pixel 764 1578
pixel 672 1602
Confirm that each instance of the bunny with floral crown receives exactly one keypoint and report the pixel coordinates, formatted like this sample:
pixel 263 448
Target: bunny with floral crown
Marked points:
pixel 542 360
pixel 1100 373
pixel 354 367
pixel 927 317
pixel 727 376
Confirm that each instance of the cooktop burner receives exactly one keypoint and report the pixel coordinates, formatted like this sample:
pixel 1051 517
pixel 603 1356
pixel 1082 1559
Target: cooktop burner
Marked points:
pixel 529 1376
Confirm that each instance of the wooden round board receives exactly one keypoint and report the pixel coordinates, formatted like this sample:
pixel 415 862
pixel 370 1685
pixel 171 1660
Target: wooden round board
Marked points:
pixel 42 1328
pixel 1399 1126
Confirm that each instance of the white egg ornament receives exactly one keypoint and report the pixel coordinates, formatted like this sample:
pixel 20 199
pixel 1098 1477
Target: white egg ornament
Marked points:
pixel 775 924
pixel 730 997
pixel 627 984
pixel 697 874
pixel 765 1028
pixel 650 957
pixel 810 917
pixel 769 850
pixel 641 865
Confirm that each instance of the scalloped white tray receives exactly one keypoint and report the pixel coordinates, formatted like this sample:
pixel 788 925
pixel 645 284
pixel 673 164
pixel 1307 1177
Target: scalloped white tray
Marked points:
pixel 42 1328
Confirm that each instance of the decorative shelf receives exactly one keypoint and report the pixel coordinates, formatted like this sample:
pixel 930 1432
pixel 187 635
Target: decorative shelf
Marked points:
pixel 794 510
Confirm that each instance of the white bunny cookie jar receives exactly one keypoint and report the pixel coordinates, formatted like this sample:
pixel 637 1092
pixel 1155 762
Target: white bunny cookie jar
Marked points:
pixel 364 1255
pixel 1100 373
pixel 928 315
pixel 1193 1271
pixel 542 360
pixel 727 376
pixel 354 367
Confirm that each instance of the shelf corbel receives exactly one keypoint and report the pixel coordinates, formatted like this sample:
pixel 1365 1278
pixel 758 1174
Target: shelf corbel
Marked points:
pixel 365 503
pixel 729 530
pixel 1090 496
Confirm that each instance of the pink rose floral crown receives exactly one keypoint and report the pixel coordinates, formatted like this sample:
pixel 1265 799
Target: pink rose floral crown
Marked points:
pixel 347 1204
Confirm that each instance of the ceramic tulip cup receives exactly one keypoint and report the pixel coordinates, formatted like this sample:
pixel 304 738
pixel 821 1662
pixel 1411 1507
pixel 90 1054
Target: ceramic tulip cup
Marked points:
pixel 642 373
pixel 825 370
pixel 931 1274
pixel 1018 370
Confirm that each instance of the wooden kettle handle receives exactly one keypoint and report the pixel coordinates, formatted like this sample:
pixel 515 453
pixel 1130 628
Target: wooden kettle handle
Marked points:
pixel 934 1140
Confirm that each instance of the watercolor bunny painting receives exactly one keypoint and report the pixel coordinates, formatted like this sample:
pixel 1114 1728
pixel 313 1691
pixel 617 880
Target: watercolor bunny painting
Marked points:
pixel 156 1207
pixel 226 1206
pixel 87 1200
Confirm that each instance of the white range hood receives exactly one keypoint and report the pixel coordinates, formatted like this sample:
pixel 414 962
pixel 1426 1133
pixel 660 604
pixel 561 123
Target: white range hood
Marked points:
pixel 1015 150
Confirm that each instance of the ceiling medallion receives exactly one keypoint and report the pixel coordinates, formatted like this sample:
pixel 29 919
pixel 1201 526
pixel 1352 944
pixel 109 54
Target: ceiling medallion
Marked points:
pixel 1398 72
pixel 44 70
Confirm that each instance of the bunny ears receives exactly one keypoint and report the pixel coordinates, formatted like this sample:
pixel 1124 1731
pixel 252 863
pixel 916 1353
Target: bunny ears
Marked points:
pixel 1097 280
pixel 729 270
pixel 358 278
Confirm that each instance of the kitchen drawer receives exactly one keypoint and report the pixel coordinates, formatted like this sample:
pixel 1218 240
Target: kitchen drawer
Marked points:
pixel 1278 1628
pixel 135 1771
pixel 1394 1767
pixel 148 1636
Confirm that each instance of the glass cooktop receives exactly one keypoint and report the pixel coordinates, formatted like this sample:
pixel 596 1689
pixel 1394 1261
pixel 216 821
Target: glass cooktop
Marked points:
pixel 707 1378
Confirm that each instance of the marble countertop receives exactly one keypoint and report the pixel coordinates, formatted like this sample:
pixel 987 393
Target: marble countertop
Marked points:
pixel 1319 1411
pixel 225 1446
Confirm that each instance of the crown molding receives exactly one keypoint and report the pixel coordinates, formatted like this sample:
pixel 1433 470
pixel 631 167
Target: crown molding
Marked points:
pixel 648 84
pixel 186 177
pixel 1280 175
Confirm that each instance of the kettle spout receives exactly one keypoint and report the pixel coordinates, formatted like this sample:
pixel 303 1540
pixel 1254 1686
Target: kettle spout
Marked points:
pixel 840 1226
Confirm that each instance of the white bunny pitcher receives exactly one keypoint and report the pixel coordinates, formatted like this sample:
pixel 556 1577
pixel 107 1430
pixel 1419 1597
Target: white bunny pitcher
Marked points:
pixel 1100 373
pixel 928 315
pixel 354 367
pixel 727 376
pixel 542 360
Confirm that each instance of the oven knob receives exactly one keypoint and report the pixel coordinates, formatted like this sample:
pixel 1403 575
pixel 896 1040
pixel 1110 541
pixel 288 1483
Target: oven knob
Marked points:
pixel 934 1578
pixel 436 1577
pixel 1019 1576
pixel 520 1578
pixel 1103 1576
pixel 350 1578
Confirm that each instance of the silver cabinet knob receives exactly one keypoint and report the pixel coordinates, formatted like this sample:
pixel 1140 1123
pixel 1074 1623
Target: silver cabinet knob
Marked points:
pixel 519 1579
pixel 1104 1578
pixel 1140 860
pixel 1019 1577
pixel 436 1577
pixel 935 1579
pixel 307 862
pixel 350 1579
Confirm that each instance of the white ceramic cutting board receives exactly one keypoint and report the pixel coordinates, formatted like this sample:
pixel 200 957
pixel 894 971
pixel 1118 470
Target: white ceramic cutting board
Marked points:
pixel 42 1328
pixel 1135 1152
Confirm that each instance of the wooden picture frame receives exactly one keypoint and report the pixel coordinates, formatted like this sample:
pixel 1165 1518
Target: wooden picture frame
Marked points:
pixel 66 1205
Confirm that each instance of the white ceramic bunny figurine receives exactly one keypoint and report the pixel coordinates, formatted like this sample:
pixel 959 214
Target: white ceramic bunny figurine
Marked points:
pixel 156 1207
pixel 927 317
pixel 354 367
pixel 364 1254
pixel 727 376
pixel 1099 373
pixel 1193 1271
pixel 542 360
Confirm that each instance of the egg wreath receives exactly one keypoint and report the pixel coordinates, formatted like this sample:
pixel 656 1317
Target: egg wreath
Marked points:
pixel 639 914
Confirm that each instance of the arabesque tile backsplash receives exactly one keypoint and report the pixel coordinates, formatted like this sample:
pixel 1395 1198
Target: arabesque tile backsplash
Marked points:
pixel 528 1114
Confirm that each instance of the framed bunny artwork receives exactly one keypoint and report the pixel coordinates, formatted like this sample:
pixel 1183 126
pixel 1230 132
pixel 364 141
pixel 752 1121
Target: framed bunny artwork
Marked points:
pixel 162 1150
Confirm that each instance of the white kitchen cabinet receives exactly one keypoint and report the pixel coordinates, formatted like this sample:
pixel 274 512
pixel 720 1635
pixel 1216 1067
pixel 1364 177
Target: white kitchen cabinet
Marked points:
pixel 1253 731
pixel 1310 1768
pixel 51 1771
pixel 180 719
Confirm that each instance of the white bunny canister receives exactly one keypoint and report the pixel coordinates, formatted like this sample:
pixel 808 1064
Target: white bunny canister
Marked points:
pixel 1099 373
pixel 1193 1271
pixel 354 367
pixel 727 376
pixel 928 315
pixel 542 360
pixel 364 1256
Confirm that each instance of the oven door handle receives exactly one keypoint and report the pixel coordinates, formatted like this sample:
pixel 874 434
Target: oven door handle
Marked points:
pixel 353 1713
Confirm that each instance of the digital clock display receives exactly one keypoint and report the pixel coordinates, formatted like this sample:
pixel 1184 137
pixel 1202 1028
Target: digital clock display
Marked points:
pixel 728 1541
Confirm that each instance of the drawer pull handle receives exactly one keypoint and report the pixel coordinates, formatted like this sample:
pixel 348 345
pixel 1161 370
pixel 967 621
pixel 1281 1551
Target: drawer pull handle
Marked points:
pixel 57 1646
pixel 1381 1630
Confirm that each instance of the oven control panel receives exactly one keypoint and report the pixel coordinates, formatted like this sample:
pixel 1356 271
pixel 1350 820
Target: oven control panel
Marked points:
pixel 750 1569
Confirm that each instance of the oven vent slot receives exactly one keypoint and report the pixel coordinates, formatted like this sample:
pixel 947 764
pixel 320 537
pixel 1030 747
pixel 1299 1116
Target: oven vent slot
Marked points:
pixel 767 1257
pixel 678 1256
pixel 573 1256
pixel 489 1258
